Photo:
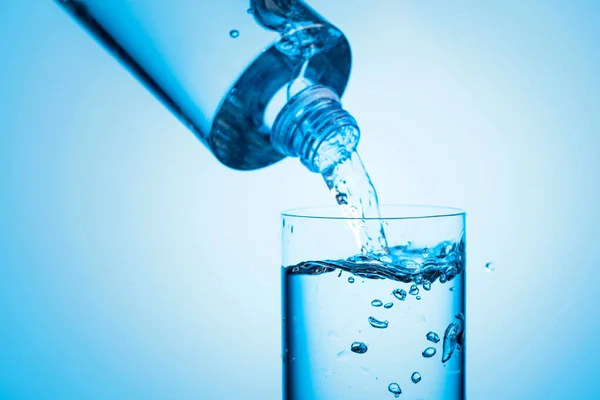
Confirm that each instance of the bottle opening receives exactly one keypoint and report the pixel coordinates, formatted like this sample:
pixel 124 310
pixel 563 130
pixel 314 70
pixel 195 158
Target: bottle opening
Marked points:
pixel 314 127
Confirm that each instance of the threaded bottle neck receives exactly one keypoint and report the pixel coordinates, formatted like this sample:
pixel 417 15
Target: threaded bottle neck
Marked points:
pixel 314 127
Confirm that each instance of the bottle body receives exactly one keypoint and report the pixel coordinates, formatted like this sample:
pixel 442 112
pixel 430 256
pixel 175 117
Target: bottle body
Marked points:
pixel 217 65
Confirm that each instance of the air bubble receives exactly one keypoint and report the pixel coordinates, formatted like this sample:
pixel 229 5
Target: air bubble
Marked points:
pixel 333 335
pixel 395 389
pixel 375 323
pixel 418 297
pixel 358 347
pixel 234 33
pixel 415 377
pixel 449 341
pixel 433 337
pixel 400 294
pixel 351 279
pixel 429 352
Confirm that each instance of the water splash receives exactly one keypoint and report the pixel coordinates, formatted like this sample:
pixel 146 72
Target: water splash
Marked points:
pixel 353 190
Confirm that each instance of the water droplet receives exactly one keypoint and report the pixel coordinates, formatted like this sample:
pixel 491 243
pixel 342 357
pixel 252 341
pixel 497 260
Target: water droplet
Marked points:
pixel 443 278
pixel 425 252
pixel 351 280
pixel 395 389
pixel 291 228
pixel 358 347
pixel 388 305
pixel 433 337
pixel 452 289
pixel 400 294
pixel 490 267
pixel 418 297
pixel 340 274
pixel 375 323
pixel 426 285
pixel 376 303
pixel 449 341
pixel 250 11
pixel 414 290
pixel 415 377
pixel 429 352
pixel 234 33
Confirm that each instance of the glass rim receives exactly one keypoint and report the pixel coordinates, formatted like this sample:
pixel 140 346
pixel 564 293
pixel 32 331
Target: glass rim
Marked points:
pixel 419 211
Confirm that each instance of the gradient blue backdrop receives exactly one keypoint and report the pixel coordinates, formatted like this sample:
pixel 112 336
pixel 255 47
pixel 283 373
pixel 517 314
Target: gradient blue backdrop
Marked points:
pixel 133 265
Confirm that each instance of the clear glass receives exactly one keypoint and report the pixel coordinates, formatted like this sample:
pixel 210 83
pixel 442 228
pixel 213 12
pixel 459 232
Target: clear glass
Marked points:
pixel 358 328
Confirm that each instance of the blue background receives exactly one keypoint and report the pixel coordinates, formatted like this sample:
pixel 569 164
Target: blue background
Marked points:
pixel 133 265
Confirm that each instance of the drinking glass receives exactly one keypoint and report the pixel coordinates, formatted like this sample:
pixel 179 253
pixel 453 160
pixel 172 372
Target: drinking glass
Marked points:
pixel 374 326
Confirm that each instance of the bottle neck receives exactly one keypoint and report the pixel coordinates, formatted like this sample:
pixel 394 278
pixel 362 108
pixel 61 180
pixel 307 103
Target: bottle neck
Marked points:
pixel 314 127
